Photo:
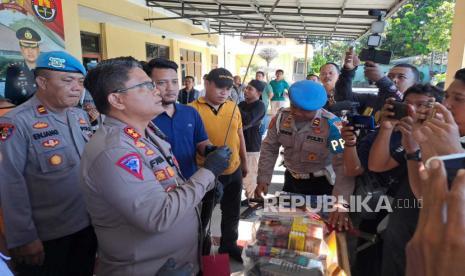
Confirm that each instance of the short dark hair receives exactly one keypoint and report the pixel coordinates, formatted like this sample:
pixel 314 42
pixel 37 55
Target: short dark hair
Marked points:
pixel 160 63
pixel 313 75
pixel 279 70
pixel 260 72
pixel 427 90
pixel 108 76
pixel 145 66
pixel 460 75
pixel 414 69
pixel 333 64
pixel 189 77
pixel 41 72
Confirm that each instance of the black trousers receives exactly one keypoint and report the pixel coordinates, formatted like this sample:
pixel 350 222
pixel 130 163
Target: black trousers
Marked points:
pixel 312 186
pixel 400 229
pixel 72 255
pixel 230 209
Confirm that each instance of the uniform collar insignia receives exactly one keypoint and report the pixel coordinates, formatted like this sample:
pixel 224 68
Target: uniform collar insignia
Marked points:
pixel 317 119
pixel 41 110
pixel 131 132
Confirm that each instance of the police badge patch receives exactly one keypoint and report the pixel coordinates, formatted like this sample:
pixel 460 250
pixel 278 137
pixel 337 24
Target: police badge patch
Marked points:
pixel 131 163
pixel 6 131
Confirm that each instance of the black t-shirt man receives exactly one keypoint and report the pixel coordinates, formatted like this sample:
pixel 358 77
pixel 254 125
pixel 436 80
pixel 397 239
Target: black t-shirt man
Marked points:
pixel 252 115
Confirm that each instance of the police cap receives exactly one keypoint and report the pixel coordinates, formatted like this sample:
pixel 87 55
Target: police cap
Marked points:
pixel 308 95
pixel 59 61
pixel 28 38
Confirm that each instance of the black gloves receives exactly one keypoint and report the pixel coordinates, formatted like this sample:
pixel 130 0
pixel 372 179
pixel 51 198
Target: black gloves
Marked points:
pixel 218 160
pixel 168 269
pixel 209 149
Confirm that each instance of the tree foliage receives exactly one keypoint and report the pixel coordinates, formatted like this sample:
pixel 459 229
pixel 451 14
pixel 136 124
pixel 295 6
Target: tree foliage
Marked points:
pixel 328 51
pixel 317 61
pixel 268 54
pixel 419 28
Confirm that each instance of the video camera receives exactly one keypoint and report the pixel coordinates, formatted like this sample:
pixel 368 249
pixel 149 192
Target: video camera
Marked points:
pixel 347 111
pixel 375 39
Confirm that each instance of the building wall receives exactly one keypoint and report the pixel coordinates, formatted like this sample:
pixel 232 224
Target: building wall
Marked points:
pixel 71 26
pixel 124 32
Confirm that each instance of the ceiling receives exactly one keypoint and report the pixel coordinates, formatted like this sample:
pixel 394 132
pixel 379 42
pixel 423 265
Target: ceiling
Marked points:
pixel 303 20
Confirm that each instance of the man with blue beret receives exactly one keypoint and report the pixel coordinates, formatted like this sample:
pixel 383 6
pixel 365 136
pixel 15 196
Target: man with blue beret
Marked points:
pixel 47 227
pixel 313 148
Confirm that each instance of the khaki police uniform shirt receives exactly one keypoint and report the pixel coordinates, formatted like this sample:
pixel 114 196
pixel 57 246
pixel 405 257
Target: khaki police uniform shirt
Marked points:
pixel 142 211
pixel 39 164
pixel 305 150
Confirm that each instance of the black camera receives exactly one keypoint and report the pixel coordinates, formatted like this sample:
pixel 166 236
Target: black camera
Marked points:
pixel 347 110
pixel 361 122
pixel 374 41
pixel 377 56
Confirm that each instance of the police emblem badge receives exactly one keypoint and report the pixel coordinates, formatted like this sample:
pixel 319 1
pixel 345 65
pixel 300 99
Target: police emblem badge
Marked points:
pixel 131 163
pixel 6 130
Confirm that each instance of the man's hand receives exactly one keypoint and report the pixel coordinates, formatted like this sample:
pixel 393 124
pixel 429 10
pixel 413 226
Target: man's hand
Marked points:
pixel 407 125
pixel 438 247
pixel 244 169
pixel 351 60
pixel 373 71
pixel 261 190
pixel 209 149
pixel 387 122
pixel 218 161
pixel 348 134
pixel 439 135
pixel 339 219
pixel 30 254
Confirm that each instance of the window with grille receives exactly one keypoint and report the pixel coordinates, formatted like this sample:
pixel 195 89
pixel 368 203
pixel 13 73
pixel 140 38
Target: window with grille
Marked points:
pixel 191 65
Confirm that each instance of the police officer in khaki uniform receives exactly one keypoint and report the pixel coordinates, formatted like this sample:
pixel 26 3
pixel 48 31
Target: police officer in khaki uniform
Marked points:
pixel 143 211
pixel 20 82
pixel 312 145
pixel 47 227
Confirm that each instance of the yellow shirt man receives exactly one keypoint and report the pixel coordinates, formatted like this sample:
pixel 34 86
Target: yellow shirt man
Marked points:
pixel 216 125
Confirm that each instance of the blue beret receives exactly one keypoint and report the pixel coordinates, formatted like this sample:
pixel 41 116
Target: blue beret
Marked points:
pixel 60 61
pixel 308 95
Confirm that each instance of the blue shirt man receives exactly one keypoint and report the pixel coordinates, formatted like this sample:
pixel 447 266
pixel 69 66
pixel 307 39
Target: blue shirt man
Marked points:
pixel 181 124
pixel 184 130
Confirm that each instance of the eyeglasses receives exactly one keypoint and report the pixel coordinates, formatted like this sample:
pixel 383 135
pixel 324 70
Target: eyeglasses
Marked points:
pixel 149 85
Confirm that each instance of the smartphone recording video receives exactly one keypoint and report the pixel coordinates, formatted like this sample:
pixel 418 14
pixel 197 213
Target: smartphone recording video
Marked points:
pixel 400 110
pixel 452 163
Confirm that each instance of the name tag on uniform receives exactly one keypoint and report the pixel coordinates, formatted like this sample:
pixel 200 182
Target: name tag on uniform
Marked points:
pixel 157 161
pixel 316 139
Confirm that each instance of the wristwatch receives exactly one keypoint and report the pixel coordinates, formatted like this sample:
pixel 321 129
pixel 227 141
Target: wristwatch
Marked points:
pixel 415 156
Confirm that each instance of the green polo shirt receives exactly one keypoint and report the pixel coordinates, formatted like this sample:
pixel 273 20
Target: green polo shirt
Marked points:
pixel 278 89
